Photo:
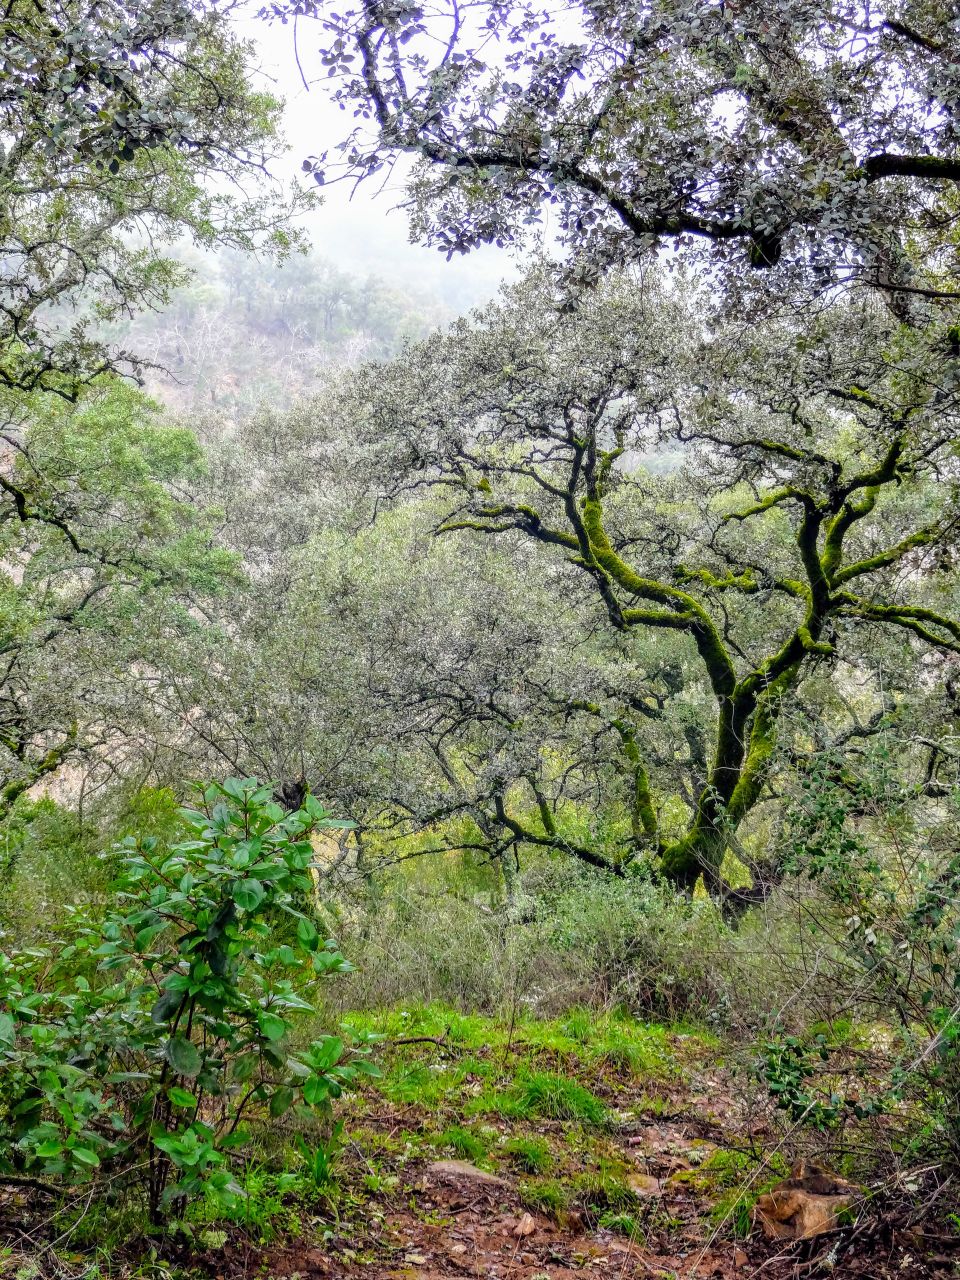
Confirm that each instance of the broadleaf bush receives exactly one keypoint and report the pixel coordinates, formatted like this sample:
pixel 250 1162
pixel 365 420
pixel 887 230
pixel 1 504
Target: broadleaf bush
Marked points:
pixel 139 1046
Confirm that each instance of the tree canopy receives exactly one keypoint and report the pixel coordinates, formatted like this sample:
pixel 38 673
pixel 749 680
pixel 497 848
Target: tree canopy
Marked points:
pixel 812 498
pixel 814 141
pixel 123 127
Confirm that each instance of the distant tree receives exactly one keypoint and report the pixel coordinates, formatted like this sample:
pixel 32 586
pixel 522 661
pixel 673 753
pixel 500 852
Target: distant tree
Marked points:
pixel 813 510
pixel 817 139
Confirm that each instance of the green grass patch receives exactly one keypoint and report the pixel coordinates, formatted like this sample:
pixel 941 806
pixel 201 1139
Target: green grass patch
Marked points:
pixel 546 1195
pixel 604 1188
pixel 623 1223
pixel 532 1155
pixel 556 1097
pixel 466 1144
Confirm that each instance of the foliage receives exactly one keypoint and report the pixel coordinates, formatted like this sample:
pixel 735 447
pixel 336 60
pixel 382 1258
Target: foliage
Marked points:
pixel 885 859
pixel 128 124
pixel 815 472
pixel 138 1047
pixel 805 140
pixel 105 557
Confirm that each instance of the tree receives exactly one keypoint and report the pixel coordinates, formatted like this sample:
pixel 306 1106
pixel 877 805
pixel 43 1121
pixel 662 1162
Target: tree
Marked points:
pixel 815 497
pixel 104 560
pixel 124 126
pixel 814 138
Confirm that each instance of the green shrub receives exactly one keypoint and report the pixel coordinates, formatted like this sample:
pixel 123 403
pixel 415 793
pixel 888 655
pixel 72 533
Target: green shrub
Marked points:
pixel 136 1048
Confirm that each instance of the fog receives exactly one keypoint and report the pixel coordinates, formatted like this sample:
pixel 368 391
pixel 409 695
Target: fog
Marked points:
pixel 362 230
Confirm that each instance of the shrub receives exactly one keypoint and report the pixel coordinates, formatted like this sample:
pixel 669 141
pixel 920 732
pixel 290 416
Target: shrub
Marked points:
pixel 137 1048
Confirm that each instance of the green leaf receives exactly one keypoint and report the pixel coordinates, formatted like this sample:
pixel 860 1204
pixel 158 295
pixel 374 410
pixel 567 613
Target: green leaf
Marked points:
pixel 248 894
pixel 181 1097
pixel 273 1028
pixel 281 1101
pixel 307 934
pixel 367 1068
pixel 86 1156
pixel 318 1089
pixel 325 1052
pixel 183 1055
pixel 166 1006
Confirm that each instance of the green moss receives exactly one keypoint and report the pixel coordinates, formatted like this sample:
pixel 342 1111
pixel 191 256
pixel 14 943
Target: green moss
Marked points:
pixel 734 1181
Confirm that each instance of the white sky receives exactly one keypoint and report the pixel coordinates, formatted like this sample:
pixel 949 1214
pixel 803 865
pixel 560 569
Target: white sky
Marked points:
pixel 368 233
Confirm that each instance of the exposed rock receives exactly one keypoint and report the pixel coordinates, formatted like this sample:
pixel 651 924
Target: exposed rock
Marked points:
pixel 644 1184
pixel 462 1171
pixel 806 1204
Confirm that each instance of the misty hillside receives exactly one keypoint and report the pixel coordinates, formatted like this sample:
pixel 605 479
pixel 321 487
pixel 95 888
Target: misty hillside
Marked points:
pixel 248 331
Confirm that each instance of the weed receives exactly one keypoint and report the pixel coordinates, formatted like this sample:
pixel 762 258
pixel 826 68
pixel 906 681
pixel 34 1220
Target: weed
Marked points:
pixel 381 1184
pixel 579 1025
pixel 265 1205
pixel 548 1195
pixel 625 1223
pixel 605 1188
pixel 320 1161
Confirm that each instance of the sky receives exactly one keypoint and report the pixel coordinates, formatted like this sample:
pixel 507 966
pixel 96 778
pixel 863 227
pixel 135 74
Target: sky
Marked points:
pixel 367 231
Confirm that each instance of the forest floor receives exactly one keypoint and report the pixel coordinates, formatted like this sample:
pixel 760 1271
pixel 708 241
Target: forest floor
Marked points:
pixel 532 1151
pixel 553 1150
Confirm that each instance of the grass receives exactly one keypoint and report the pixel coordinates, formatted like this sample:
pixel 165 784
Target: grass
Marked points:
pixel 547 1195
pixel 556 1097
pixel 466 1144
pixel 734 1181
pixel 530 1154
pixel 534 1101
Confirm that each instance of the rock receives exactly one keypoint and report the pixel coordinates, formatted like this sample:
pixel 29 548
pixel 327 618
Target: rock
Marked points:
pixel 525 1227
pixel 644 1184
pixel 462 1171
pixel 805 1205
